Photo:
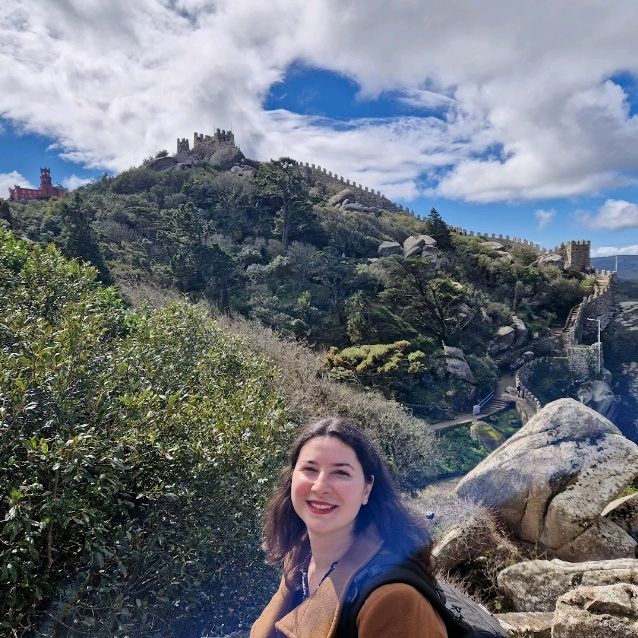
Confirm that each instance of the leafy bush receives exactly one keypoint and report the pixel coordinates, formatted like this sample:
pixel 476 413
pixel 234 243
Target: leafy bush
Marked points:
pixel 136 452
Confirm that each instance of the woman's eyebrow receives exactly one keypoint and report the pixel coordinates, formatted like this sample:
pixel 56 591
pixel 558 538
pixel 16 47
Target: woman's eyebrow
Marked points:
pixel 343 465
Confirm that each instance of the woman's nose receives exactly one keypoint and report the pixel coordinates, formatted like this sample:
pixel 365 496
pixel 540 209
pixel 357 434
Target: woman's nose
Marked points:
pixel 321 484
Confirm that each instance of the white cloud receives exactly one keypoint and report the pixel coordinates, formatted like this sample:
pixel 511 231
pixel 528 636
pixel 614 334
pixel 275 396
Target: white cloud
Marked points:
pixel 527 109
pixel 614 214
pixel 73 181
pixel 544 217
pixel 609 251
pixel 9 180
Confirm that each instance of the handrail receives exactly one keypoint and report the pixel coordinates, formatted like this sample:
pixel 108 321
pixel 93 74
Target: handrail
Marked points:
pixel 487 399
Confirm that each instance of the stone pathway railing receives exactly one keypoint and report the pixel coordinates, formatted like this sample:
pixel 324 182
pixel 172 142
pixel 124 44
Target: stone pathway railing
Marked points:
pixel 522 378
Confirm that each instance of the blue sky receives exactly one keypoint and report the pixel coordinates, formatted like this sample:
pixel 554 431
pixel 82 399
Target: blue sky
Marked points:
pixel 501 116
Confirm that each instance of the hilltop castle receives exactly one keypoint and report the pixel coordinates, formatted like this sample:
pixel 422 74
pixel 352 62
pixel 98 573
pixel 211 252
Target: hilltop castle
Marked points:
pixel 204 145
pixel 46 190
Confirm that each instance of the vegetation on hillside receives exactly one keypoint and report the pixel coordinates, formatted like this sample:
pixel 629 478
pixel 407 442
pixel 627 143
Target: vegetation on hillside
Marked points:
pixel 270 248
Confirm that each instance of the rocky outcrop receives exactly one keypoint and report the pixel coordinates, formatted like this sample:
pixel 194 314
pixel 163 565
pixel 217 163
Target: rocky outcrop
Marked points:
pixel 359 207
pixel 162 163
pixel 536 585
pixel 504 338
pixel 456 365
pixel 551 259
pixel 485 434
pixel 419 246
pixel 624 513
pixel 520 332
pixel 599 396
pixel 492 245
pixel 551 481
pixel 243 170
pixel 339 198
pixel 225 156
pixel 388 248
pixel 527 624
pixel 465 542
pixel 597 612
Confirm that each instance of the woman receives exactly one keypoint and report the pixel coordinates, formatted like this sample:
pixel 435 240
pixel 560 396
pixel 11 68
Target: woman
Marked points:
pixel 334 509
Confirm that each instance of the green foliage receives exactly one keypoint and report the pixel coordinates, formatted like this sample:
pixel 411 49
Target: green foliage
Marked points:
pixel 377 363
pixel 78 238
pixel 438 306
pixel 281 181
pixel 437 229
pixel 136 451
pixel 460 452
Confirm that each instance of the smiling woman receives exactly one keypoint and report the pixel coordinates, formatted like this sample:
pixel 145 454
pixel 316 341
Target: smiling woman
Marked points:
pixel 334 511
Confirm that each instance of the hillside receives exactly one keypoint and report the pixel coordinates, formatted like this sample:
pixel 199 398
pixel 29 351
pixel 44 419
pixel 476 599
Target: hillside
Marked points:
pixel 279 243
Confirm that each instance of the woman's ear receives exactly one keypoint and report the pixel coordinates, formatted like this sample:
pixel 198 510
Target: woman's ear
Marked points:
pixel 367 490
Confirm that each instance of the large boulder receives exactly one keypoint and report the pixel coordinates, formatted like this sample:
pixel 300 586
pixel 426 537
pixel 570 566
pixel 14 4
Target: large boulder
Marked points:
pixel 599 396
pixel 346 193
pixel 520 332
pixel 492 245
pixel 551 259
pixel 485 434
pixel 527 624
pixel 225 156
pixel 162 163
pixel 456 365
pixel 624 513
pixel 551 481
pixel 504 338
pixel 536 585
pixel 413 246
pixel 359 207
pixel 388 248
pixel 597 612
pixel 464 542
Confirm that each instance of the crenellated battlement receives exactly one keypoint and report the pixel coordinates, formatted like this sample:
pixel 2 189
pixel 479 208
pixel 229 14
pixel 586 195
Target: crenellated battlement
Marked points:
pixel 183 145
pixel 204 144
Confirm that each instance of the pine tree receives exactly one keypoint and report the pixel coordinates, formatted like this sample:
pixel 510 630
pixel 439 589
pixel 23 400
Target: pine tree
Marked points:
pixel 439 230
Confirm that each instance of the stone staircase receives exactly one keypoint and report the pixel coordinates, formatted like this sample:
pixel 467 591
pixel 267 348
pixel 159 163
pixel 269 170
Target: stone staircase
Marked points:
pixel 496 405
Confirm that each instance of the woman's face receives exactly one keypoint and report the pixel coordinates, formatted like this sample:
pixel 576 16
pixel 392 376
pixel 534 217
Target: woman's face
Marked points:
pixel 328 487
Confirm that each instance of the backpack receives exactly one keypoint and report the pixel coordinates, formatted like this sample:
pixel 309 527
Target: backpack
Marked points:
pixel 463 617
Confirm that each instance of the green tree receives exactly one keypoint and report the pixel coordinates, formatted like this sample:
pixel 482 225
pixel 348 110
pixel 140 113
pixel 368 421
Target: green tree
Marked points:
pixel 281 181
pixel 5 212
pixel 434 305
pixel 439 230
pixel 197 262
pixel 78 239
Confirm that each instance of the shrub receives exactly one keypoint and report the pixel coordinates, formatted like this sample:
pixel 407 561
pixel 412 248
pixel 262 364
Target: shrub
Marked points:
pixel 136 452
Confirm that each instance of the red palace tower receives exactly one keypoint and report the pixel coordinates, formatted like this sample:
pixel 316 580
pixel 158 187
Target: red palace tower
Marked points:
pixel 46 190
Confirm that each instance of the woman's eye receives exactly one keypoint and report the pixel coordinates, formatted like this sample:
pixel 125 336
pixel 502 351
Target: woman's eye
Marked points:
pixel 308 469
pixel 342 473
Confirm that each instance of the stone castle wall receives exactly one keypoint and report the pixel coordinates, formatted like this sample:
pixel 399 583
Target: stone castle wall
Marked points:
pixel 204 145
pixel 366 196
pixel 495 237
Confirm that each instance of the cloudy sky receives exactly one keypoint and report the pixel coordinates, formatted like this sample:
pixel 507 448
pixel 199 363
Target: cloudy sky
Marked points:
pixel 510 117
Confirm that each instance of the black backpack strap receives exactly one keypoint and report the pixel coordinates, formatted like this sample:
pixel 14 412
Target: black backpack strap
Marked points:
pixel 384 569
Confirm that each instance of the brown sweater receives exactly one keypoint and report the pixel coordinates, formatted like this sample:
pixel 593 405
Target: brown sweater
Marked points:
pixel 392 611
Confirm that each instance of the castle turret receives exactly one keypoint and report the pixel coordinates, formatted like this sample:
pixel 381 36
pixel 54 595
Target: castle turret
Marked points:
pixel 183 145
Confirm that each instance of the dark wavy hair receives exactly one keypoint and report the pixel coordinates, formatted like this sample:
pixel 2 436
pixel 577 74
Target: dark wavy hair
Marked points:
pixel 403 532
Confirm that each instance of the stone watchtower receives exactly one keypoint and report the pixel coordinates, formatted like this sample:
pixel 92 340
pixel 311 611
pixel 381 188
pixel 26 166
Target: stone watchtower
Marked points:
pixel 577 255
pixel 205 146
